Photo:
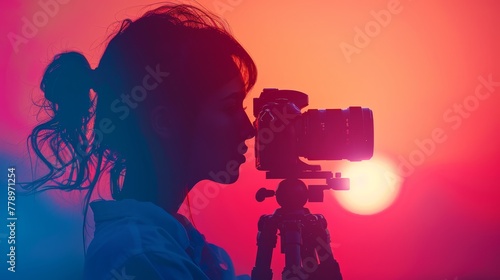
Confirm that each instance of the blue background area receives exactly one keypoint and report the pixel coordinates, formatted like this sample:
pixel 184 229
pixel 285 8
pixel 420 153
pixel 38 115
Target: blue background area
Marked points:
pixel 49 241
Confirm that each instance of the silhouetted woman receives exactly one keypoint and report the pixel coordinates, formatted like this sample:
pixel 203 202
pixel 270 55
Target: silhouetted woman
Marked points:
pixel 167 111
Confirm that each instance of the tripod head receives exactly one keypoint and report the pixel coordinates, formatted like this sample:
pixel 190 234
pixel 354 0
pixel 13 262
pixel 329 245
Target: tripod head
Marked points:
pixel 292 193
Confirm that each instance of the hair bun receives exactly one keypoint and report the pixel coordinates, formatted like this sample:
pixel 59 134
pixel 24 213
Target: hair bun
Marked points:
pixel 67 79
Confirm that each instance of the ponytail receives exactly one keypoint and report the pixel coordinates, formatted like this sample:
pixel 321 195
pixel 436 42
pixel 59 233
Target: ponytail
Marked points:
pixel 66 85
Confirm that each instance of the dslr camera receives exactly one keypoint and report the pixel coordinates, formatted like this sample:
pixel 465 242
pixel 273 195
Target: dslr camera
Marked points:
pixel 284 133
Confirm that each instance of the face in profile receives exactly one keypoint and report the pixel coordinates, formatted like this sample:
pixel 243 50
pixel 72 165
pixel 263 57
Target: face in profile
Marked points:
pixel 219 134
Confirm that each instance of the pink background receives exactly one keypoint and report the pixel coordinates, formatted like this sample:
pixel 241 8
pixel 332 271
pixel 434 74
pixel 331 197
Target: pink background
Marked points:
pixel 445 222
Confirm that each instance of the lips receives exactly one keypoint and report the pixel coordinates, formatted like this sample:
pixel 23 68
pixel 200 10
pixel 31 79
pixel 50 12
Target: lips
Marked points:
pixel 241 153
pixel 245 149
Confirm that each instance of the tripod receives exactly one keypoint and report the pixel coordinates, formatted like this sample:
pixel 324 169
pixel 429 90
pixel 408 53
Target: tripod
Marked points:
pixel 304 237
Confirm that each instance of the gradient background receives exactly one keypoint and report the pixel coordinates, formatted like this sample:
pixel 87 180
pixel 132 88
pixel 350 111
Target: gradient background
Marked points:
pixel 444 220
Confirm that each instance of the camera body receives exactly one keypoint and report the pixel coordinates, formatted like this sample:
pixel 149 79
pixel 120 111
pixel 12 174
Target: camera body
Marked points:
pixel 284 133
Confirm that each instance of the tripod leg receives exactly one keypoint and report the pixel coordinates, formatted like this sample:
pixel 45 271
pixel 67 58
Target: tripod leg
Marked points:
pixel 266 242
pixel 309 257
pixel 329 267
pixel 291 243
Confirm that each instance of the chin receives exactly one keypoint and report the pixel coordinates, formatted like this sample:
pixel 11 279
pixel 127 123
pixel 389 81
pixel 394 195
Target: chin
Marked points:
pixel 235 178
pixel 224 177
pixel 232 179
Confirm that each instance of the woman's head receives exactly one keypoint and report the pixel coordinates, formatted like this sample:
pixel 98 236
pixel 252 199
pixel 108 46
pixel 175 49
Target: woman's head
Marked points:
pixel 186 58
pixel 169 91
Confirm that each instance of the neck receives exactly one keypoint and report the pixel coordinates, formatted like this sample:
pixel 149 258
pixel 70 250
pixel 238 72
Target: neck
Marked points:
pixel 160 184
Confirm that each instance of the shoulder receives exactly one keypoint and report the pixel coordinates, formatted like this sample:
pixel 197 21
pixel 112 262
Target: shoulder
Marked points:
pixel 155 265
pixel 151 266
pixel 131 234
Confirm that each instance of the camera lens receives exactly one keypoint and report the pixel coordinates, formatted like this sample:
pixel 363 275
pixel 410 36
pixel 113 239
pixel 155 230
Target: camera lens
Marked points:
pixel 335 134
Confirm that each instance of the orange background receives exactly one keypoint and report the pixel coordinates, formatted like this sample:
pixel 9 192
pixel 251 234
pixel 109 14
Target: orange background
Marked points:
pixel 444 224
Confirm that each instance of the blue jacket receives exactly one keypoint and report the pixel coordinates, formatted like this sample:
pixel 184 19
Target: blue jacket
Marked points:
pixel 139 240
